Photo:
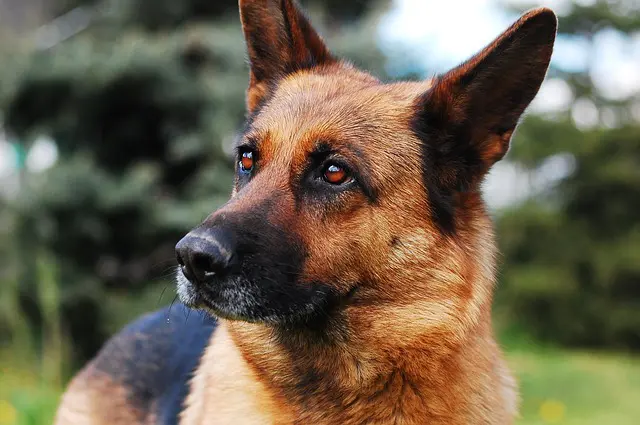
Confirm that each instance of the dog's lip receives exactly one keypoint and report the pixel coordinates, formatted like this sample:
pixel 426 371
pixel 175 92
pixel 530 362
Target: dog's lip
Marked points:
pixel 226 312
pixel 202 297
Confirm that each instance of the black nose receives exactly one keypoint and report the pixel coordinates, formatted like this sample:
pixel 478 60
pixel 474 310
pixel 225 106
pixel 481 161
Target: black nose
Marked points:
pixel 204 254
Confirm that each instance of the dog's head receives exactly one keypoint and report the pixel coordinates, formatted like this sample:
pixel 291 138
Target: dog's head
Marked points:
pixel 357 200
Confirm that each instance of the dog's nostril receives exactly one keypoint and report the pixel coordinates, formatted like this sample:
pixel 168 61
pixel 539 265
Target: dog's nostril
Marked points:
pixel 203 263
pixel 179 259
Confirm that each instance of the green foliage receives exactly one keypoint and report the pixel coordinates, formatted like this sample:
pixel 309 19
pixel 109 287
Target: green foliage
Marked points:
pixel 571 267
pixel 161 15
pixel 622 15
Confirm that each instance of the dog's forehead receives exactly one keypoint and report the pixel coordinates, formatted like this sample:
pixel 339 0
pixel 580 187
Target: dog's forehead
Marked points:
pixel 345 109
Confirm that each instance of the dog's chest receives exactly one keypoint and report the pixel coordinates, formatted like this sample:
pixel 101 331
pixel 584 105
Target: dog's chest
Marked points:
pixel 225 390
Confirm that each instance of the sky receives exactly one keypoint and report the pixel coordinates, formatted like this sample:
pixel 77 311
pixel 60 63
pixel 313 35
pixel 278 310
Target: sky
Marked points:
pixel 436 35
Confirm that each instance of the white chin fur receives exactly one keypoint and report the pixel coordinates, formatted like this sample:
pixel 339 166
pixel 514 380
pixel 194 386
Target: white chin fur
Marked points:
pixel 186 294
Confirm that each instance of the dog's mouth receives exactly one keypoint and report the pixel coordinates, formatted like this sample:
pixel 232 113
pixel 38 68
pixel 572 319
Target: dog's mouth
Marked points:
pixel 263 300
pixel 201 295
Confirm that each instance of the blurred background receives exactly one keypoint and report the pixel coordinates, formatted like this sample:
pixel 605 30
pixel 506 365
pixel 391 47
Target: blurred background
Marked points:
pixel 116 122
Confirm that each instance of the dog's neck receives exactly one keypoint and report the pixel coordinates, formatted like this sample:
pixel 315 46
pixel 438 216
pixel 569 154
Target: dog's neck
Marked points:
pixel 328 384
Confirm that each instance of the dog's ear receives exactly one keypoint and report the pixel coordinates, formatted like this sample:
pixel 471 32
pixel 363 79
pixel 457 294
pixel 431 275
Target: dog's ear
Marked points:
pixel 467 117
pixel 280 40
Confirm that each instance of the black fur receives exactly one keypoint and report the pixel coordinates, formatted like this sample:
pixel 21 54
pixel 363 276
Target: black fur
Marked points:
pixel 272 59
pixel 449 161
pixel 155 357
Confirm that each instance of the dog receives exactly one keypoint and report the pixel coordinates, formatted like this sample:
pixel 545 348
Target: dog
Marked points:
pixel 349 278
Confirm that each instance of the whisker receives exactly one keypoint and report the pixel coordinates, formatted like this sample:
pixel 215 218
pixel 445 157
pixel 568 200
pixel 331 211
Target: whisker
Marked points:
pixel 171 306
pixel 161 295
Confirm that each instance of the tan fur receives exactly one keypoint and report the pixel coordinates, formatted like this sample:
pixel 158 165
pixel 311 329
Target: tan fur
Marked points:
pixel 413 340
pixel 237 393
pixel 94 398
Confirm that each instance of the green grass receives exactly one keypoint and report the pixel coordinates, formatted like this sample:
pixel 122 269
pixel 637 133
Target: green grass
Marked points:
pixel 25 399
pixel 575 388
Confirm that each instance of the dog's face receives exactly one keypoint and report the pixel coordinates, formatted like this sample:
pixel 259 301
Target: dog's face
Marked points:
pixel 356 200
pixel 318 189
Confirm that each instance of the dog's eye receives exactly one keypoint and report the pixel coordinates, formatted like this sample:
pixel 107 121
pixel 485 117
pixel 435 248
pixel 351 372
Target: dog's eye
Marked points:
pixel 246 161
pixel 335 174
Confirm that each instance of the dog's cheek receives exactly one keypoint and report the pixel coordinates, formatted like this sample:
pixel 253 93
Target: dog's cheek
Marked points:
pixel 341 250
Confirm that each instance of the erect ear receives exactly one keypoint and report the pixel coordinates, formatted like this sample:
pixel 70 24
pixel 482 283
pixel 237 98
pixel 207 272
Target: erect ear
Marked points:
pixel 467 117
pixel 280 40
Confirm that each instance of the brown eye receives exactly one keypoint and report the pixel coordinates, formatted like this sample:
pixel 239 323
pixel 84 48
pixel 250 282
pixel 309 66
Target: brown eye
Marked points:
pixel 335 174
pixel 246 161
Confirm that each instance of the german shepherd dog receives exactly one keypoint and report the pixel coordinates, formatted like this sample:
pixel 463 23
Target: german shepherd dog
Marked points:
pixel 349 278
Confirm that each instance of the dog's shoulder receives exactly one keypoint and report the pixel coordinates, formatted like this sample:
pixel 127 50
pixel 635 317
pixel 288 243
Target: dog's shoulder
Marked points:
pixel 155 356
pixel 143 372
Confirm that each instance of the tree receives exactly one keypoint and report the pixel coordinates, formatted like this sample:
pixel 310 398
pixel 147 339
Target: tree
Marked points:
pixel 571 271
